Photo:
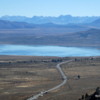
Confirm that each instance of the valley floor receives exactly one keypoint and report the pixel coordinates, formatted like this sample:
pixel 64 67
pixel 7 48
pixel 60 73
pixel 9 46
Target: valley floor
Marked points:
pixel 23 76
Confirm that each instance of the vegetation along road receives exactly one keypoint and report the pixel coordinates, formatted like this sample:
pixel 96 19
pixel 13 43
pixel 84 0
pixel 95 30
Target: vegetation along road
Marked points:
pixel 64 77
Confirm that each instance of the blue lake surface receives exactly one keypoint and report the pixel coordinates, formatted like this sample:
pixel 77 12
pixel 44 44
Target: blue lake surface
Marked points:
pixel 47 50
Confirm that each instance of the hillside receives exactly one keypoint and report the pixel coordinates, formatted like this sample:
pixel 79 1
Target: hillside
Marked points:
pixel 14 25
pixel 50 36
pixel 4 24
pixel 96 23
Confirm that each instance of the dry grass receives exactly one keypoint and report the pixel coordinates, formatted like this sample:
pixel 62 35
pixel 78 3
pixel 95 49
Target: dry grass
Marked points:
pixel 89 70
pixel 22 77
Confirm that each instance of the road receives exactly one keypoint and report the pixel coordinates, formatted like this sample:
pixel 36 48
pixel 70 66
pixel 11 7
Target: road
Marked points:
pixel 64 77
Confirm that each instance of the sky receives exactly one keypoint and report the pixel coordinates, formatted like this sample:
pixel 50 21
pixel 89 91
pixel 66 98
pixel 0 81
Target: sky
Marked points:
pixel 31 8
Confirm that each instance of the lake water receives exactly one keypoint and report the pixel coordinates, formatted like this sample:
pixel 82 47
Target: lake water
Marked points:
pixel 47 50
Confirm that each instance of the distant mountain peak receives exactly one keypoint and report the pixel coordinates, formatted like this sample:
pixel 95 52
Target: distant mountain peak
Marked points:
pixel 62 19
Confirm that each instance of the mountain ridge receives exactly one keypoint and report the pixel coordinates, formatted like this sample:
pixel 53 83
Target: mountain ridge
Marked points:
pixel 5 24
pixel 62 19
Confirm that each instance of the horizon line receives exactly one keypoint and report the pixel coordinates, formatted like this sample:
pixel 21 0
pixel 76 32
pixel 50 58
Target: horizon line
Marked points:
pixel 49 15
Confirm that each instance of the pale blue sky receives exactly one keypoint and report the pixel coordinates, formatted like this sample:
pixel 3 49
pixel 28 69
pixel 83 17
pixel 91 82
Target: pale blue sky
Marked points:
pixel 50 7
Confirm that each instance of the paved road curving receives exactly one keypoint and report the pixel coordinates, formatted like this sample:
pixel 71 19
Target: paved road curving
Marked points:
pixel 64 77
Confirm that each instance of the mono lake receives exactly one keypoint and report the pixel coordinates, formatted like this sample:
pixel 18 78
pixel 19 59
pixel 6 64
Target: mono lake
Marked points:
pixel 47 50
